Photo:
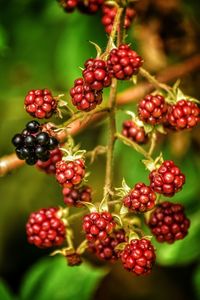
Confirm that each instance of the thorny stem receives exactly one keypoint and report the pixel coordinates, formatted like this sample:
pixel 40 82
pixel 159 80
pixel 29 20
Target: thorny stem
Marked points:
pixel 134 145
pixel 112 122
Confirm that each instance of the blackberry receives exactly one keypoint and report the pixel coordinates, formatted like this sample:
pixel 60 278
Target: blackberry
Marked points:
pixel 49 166
pixel 83 97
pixel 140 199
pixel 138 256
pixel 45 229
pixel 133 132
pixel 168 222
pixel 40 103
pixel 167 179
pixel 98 226
pixel 73 196
pixel 153 109
pixel 70 173
pixel 183 115
pixel 123 62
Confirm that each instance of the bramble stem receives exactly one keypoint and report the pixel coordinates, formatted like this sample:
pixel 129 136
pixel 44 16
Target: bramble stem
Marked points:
pixel 153 143
pixel 134 145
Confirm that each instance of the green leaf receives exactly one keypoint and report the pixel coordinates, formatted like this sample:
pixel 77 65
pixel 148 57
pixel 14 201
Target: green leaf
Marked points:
pixel 53 279
pixel 184 251
pixel 5 292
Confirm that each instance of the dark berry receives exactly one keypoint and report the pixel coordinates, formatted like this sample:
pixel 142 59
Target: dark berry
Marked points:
pixel 18 140
pixel 53 143
pixel 167 179
pixel 45 229
pixel 105 249
pixel 98 226
pixel 83 97
pixel 153 109
pixel 19 153
pixel 140 199
pixel 183 115
pixel 33 126
pixel 134 132
pixel 73 196
pixel 123 62
pixel 42 138
pixel 49 166
pixel 31 160
pixel 96 74
pixel 29 141
pixel 138 256
pixel 40 103
pixel 168 222
pixel 70 173
pixel 40 151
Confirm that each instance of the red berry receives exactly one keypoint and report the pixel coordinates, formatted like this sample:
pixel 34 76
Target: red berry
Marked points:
pixel 138 256
pixel 183 115
pixel 83 97
pixel 140 199
pixel 153 109
pixel 40 103
pixel 98 226
pixel 134 132
pixel 168 222
pixel 106 249
pixel 123 62
pixel 68 5
pixel 73 196
pixel 89 6
pixel 49 166
pixel 167 179
pixel 44 228
pixel 109 13
pixel 96 74
pixel 70 173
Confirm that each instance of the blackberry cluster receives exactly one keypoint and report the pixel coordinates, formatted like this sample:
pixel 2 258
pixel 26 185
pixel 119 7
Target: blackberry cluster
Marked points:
pixel 73 196
pixel 49 166
pixel 133 132
pixel 32 144
pixel 83 97
pixel 138 256
pixel 45 229
pixel 40 104
pixel 98 226
pixel 140 199
pixel 168 222
pixel 70 173
pixel 123 62
pixel 183 115
pixel 105 249
pixel 167 179
pixel 153 109
pixel 109 13
pixel 86 7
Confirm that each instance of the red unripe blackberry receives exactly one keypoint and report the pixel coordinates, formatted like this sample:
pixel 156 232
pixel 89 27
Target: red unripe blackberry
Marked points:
pixel 73 196
pixel 153 109
pixel 70 173
pixel 96 74
pixel 98 226
pixel 45 229
pixel 140 199
pixel 133 132
pixel 68 5
pixel 109 13
pixel 40 103
pixel 167 179
pixel 138 256
pixel 83 97
pixel 106 249
pixel 89 6
pixel 49 166
pixel 168 222
pixel 183 115
pixel 123 62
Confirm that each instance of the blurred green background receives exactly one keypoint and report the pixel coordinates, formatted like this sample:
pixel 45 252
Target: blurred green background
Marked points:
pixel 41 46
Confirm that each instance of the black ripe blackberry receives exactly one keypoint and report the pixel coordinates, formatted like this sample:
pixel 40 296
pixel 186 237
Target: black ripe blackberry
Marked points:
pixel 32 144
